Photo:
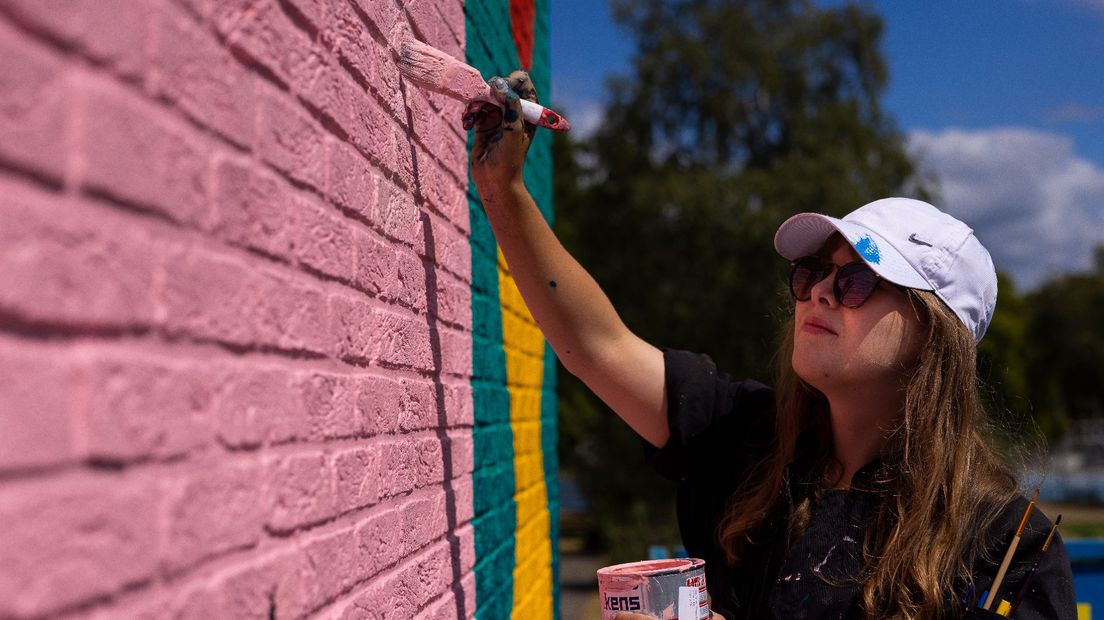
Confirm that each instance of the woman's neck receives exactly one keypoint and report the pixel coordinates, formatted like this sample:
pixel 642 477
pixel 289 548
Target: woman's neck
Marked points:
pixel 861 421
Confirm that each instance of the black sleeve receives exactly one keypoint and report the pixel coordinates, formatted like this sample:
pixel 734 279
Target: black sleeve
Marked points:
pixel 1049 594
pixel 712 417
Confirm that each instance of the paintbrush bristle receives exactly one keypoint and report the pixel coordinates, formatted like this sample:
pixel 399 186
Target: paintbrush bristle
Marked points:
pixel 437 71
pixel 421 62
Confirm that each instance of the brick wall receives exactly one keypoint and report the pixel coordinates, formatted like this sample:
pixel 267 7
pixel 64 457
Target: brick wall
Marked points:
pixel 243 349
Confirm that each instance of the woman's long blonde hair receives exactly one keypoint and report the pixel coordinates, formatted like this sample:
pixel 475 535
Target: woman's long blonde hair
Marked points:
pixel 939 473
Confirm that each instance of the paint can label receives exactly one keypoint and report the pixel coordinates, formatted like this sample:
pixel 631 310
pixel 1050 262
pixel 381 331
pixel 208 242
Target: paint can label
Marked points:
pixel 666 589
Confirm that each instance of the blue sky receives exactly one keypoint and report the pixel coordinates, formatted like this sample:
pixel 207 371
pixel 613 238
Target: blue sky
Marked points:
pixel 1002 100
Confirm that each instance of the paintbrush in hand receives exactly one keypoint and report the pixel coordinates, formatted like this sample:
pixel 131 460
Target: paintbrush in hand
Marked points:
pixel 437 71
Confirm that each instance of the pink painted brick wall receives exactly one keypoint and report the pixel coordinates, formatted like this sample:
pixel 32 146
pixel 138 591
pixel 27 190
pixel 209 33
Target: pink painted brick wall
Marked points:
pixel 235 312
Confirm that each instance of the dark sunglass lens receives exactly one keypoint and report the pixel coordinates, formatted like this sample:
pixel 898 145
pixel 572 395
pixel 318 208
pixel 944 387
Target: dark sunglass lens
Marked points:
pixel 855 284
pixel 805 274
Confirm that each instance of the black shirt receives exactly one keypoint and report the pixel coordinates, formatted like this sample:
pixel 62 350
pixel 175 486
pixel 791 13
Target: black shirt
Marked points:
pixel 720 427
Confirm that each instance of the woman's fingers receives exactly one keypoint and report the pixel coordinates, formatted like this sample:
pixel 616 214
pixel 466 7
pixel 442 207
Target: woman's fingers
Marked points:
pixel 501 141
pixel 511 102
pixel 502 137
pixel 487 120
pixel 520 82
pixel 482 115
pixel 490 137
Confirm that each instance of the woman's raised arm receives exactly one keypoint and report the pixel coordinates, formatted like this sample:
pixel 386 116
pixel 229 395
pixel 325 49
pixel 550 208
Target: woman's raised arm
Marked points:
pixel 570 308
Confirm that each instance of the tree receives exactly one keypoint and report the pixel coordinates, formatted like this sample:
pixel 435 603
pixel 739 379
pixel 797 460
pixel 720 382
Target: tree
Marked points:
pixel 1003 369
pixel 736 115
pixel 1065 354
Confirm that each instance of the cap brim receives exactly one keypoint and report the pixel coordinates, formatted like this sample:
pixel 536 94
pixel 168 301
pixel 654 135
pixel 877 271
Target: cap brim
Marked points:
pixel 805 233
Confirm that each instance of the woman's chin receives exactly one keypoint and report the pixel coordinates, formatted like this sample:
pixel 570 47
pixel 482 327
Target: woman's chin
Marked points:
pixel 815 372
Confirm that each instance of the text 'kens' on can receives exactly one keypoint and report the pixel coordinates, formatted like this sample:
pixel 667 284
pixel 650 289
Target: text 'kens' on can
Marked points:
pixel 666 589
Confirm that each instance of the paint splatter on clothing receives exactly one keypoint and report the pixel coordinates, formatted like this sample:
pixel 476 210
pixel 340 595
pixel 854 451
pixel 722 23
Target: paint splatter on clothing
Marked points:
pixel 829 556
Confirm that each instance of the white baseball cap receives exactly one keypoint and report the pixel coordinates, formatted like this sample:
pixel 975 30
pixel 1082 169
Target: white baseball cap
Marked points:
pixel 911 243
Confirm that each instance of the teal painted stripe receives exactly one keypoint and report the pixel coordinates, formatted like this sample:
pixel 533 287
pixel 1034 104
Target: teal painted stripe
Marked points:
pixel 549 448
pixel 490 49
pixel 495 515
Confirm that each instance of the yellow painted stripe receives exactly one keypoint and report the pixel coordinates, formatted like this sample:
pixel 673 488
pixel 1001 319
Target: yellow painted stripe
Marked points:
pixel 524 346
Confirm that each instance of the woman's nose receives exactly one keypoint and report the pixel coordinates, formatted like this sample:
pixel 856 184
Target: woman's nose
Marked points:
pixel 824 291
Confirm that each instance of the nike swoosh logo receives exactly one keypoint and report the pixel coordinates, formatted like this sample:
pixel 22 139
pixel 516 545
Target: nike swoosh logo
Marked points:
pixel 913 239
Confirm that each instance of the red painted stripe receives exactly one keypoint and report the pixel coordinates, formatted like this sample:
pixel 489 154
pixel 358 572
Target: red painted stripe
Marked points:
pixel 522 14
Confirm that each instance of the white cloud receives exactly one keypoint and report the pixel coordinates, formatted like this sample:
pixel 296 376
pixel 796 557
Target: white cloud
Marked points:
pixel 583 106
pixel 585 115
pixel 1036 205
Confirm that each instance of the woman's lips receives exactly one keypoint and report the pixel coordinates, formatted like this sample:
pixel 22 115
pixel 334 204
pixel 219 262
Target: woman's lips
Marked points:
pixel 814 325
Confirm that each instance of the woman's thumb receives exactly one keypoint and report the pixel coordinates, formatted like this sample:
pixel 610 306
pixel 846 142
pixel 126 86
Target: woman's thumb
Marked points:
pixel 510 102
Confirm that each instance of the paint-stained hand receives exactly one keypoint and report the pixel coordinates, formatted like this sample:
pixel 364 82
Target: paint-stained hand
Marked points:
pixel 502 137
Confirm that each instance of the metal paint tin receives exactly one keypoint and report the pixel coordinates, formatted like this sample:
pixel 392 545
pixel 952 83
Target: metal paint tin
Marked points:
pixel 652 587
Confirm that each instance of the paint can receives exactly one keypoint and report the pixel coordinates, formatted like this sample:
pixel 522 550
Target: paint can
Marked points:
pixel 667 589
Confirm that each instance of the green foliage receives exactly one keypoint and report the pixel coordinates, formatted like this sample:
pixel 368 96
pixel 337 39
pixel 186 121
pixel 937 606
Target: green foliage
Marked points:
pixel 736 116
pixel 1017 430
pixel 1066 359
pixel 1002 361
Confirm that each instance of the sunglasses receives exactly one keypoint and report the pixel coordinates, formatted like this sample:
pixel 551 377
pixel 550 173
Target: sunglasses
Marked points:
pixel 855 282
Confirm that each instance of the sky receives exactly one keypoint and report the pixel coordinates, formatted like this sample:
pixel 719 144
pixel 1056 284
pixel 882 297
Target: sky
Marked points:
pixel 1001 100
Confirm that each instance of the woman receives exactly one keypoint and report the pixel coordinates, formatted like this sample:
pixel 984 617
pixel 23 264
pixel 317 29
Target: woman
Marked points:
pixel 862 487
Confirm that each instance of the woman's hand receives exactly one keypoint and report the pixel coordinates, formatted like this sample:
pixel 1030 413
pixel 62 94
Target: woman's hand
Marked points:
pixel 502 137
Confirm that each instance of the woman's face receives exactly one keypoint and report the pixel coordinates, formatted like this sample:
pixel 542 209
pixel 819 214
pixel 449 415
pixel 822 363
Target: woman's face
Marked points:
pixel 846 348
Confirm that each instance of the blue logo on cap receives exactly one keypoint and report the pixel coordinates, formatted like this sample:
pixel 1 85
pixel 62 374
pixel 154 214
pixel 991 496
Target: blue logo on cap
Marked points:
pixel 867 249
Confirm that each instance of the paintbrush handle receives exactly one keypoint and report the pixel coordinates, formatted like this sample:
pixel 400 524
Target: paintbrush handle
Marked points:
pixel 543 117
pixel 534 113
pixel 1000 573
pixel 1025 586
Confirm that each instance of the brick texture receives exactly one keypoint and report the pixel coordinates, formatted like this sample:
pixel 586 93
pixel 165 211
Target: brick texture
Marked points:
pixel 236 320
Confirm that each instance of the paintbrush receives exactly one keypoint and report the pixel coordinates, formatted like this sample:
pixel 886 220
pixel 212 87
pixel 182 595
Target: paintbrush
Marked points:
pixel 1035 566
pixel 1008 555
pixel 437 71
